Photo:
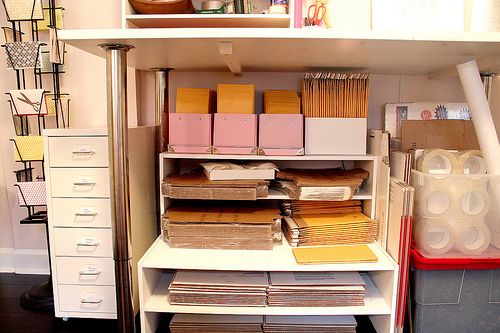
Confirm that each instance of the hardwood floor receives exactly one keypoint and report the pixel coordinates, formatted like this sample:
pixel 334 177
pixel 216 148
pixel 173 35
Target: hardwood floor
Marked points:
pixel 15 319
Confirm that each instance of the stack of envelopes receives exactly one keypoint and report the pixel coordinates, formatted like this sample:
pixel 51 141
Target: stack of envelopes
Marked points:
pixel 320 184
pixel 308 324
pixel 222 227
pixel 307 289
pixel 198 186
pixel 218 288
pixel 191 323
pixel 281 102
pixel 329 229
pixel 294 207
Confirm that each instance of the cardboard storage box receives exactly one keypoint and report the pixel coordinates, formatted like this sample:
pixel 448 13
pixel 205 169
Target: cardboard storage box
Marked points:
pixel 346 136
pixel 281 134
pixel 235 98
pixel 190 133
pixel 235 134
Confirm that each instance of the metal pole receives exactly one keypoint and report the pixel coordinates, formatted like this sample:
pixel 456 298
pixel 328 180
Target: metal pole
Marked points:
pixel 161 108
pixel 116 81
pixel 487 79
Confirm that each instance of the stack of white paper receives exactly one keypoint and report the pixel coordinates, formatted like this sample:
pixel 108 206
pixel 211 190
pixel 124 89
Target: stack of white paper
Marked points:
pixel 307 324
pixel 189 323
pixel 308 289
pixel 218 288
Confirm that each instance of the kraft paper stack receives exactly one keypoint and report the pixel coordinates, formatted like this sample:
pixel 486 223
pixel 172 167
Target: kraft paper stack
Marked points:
pixel 189 323
pixel 307 324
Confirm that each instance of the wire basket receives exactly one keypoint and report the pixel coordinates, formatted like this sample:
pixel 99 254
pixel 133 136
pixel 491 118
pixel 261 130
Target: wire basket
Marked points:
pixel 28 148
pixel 23 10
pixel 31 194
pixel 23 55
pixel 28 102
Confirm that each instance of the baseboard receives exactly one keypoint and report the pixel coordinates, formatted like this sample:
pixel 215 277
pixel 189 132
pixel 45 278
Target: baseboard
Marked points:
pixel 6 260
pixel 30 261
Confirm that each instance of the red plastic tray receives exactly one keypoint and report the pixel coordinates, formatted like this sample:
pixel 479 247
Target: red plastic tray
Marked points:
pixel 421 262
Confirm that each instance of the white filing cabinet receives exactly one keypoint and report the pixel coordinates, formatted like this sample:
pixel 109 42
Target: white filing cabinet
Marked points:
pixel 80 221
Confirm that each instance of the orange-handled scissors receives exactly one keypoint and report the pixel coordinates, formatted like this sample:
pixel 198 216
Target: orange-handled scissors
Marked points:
pixel 316 13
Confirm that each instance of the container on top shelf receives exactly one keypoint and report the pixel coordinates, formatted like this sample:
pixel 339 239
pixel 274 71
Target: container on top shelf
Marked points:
pixel 235 123
pixel 456 209
pixel 335 107
pixel 467 290
pixel 190 127
pixel 281 126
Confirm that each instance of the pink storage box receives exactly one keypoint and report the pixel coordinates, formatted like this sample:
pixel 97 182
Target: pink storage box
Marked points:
pixel 235 133
pixel 281 134
pixel 190 133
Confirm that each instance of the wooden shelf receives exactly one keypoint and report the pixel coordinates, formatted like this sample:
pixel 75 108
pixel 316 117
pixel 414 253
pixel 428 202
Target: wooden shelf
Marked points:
pixel 374 305
pixel 279 49
pixel 210 21
pixel 281 258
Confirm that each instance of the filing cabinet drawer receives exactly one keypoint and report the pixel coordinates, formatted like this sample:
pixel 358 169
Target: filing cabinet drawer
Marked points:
pixel 80 182
pixel 87 298
pixel 78 151
pixel 93 271
pixel 83 242
pixel 81 213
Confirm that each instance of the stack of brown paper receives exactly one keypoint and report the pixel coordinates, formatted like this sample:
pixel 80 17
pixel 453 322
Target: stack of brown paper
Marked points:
pixel 281 102
pixel 321 184
pixel 335 95
pixel 334 254
pixel 190 323
pixel 193 100
pixel 222 227
pixel 218 288
pixel 308 324
pixel 308 289
pixel 295 207
pixel 329 229
pixel 198 186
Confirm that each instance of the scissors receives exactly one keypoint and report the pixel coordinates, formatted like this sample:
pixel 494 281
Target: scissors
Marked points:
pixel 25 99
pixel 316 13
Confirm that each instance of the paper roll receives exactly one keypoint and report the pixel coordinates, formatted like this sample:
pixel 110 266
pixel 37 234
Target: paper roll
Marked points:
pixel 481 115
pixel 434 237
pixel 437 162
pixel 472 238
pixel 471 162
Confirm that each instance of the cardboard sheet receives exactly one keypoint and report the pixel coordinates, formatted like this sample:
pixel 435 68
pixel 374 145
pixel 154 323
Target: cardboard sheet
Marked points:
pixel 334 254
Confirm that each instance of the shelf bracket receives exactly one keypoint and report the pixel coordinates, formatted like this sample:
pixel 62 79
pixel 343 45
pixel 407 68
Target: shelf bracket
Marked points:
pixel 232 62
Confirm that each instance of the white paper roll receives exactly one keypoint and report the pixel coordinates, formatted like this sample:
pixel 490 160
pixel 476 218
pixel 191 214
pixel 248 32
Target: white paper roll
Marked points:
pixel 472 238
pixel 434 237
pixel 481 115
pixel 471 162
pixel 437 162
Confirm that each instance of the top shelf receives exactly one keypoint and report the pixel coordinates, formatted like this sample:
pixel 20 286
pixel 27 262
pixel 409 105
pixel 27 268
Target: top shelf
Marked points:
pixel 282 49
pixel 367 157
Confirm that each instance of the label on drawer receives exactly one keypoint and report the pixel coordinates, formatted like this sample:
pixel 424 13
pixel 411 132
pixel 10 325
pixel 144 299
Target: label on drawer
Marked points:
pixel 84 150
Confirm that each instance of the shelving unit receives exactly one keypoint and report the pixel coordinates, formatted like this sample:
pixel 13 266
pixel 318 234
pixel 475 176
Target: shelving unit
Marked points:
pixel 280 49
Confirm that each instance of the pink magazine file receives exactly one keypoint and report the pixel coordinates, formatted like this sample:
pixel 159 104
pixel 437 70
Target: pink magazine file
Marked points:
pixel 235 133
pixel 281 134
pixel 190 133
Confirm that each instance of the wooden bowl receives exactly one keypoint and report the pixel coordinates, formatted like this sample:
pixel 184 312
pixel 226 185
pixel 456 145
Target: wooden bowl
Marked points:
pixel 162 6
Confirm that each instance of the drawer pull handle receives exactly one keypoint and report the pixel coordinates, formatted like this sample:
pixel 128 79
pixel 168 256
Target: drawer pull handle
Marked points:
pixel 80 183
pixel 87 243
pixel 87 273
pixel 91 301
pixel 85 214
pixel 83 152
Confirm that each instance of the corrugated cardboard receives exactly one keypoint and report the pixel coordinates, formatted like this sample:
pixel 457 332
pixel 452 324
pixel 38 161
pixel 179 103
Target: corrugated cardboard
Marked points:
pixel 444 134
pixel 235 98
